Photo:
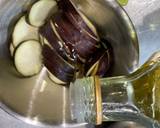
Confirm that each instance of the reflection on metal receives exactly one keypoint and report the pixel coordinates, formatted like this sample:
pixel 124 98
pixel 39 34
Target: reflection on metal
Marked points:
pixel 114 25
pixel 146 17
pixel 64 105
pixel 36 89
pixel 44 84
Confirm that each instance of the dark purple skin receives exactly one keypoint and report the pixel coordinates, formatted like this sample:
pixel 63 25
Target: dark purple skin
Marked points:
pixel 94 58
pixel 57 66
pixel 74 17
pixel 47 32
pixel 104 58
pixel 66 30
pixel 85 49
pixel 78 42
pixel 104 64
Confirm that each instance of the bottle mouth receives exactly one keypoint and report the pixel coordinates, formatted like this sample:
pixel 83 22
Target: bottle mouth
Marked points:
pixel 86 101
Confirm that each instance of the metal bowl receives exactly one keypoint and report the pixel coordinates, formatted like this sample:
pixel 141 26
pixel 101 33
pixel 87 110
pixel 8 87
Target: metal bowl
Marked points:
pixel 36 100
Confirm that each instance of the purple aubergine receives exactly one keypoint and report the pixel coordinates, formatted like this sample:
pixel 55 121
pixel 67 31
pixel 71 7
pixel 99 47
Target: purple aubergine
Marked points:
pixel 57 65
pixel 77 19
pixel 80 43
pixel 104 64
pixel 68 33
pixel 99 63
pixel 49 35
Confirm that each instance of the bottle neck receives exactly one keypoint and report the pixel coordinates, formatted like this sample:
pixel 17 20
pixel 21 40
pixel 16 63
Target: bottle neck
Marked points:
pixel 125 98
pixel 117 99
pixel 134 97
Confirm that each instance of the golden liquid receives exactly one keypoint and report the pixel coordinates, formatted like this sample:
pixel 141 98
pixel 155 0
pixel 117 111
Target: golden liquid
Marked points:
pixel 147 89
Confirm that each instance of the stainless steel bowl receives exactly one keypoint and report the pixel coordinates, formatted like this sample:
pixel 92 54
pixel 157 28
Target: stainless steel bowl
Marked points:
pixel 37 100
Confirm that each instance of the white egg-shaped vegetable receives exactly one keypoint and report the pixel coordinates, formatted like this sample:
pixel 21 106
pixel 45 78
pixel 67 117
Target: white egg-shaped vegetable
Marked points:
pixel 23 31
pixel 28 58
pixel 41 10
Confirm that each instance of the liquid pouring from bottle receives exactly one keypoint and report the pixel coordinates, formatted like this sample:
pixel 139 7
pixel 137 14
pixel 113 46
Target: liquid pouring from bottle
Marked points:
pixel 135 97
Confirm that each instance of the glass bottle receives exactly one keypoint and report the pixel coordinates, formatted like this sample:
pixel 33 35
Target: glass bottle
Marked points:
pixel 135 97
